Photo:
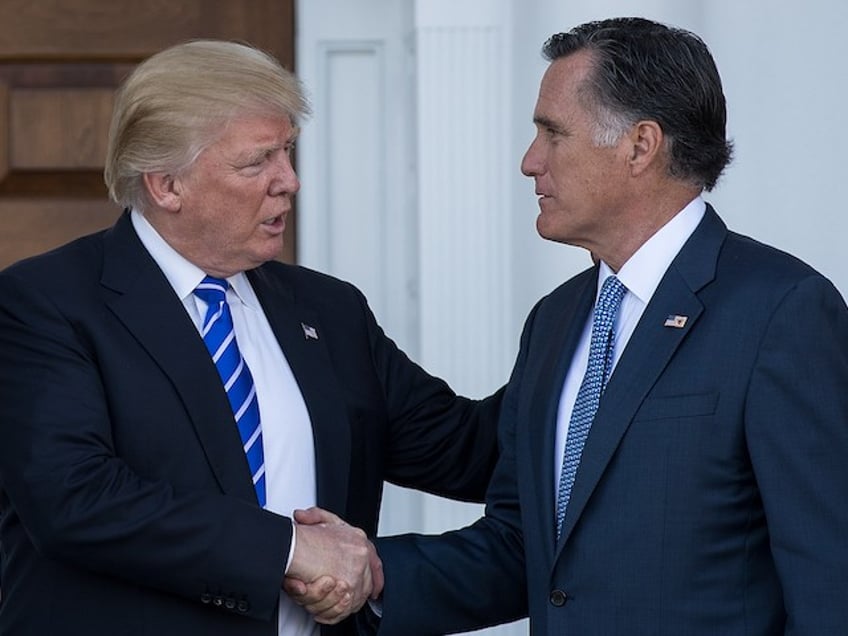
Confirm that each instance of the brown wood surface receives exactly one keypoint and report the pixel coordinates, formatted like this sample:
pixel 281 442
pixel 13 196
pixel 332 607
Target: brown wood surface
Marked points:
pixel 60 62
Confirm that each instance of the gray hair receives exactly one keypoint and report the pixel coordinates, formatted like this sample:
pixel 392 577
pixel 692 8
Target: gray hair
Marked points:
pixel 646 70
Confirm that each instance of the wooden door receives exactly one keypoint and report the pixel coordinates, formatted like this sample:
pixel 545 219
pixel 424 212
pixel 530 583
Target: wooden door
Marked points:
pixel 60 62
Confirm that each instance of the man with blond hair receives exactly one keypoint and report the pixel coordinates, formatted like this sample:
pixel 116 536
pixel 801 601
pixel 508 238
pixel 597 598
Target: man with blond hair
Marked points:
pixel 170 394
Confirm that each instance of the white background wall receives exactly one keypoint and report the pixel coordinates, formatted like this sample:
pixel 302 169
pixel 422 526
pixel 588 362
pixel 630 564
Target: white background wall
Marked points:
pixel 411 187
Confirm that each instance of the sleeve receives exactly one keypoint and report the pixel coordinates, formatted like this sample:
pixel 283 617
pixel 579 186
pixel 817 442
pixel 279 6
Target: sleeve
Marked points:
pixel 797 433
pixel 469 578
pixel 82 505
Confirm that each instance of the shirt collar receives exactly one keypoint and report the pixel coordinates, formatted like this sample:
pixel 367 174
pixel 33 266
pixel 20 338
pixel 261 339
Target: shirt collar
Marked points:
pixel 643 271
pixel 183 275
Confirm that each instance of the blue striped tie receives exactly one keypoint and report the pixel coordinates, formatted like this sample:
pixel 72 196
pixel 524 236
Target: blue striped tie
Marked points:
pixel 220 340
pixel 594 382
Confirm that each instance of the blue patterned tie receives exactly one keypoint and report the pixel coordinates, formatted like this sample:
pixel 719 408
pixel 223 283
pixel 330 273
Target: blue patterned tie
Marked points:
pixel 220 340
pixel 589 396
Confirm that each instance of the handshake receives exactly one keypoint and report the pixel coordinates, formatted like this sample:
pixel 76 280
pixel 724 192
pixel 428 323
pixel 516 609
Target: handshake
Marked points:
pixel 334 569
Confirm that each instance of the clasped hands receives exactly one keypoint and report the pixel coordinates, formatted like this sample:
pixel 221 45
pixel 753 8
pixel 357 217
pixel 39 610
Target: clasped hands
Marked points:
pixel 335 568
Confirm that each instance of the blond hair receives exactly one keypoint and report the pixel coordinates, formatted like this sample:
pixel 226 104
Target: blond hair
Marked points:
pixel 176 103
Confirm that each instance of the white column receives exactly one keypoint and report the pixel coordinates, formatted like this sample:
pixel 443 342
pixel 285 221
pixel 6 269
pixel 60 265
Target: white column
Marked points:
pixel 463 53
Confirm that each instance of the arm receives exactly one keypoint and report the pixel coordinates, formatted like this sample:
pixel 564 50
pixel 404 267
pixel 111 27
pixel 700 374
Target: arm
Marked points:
pixel 469 578
pixel 436 441
pixel 797 432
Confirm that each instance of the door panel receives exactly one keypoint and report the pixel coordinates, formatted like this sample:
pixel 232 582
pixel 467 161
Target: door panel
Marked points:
pixel 60 62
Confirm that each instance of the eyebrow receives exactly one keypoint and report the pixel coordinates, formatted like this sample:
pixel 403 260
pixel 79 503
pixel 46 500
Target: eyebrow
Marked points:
pixel 257 153
pixel 546 122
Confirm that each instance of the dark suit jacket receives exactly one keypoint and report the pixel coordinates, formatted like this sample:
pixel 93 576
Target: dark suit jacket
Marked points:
pixel 711 495
pixel 128 508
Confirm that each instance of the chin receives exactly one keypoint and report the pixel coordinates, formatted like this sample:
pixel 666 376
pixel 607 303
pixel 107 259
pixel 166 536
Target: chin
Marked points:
pixel 550 234
pixel 270 255
pixel 544 230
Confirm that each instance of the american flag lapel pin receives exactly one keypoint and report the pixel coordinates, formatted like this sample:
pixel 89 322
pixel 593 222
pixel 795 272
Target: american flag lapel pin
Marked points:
pixel 673 320
pixel 309 332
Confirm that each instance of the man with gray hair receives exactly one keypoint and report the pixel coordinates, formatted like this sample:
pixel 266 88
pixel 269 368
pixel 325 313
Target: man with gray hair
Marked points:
pixel 170 394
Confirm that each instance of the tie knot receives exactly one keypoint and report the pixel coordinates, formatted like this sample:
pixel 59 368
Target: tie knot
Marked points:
pixel 612 291
pixel 212 290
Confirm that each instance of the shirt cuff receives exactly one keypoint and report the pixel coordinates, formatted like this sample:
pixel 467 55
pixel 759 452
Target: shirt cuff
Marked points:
pixel 291 549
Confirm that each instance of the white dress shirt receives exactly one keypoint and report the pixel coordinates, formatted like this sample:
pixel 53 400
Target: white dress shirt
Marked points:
pixel 641 275
pixel 287 441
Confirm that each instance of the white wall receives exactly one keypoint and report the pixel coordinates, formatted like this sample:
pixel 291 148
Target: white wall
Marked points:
pixel 783 65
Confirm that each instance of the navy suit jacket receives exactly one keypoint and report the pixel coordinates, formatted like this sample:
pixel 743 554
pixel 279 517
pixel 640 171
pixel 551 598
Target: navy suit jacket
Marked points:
pixel 711 495
pixel 128 508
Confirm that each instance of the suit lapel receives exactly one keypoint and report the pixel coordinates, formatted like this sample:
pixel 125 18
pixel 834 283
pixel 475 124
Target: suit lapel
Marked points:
pixel 300 332
pixel 647 354
pixel 146 304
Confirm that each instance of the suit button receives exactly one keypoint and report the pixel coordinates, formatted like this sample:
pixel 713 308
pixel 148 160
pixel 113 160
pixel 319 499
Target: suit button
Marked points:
pixel 206 598
pixel 243 606
pixel 230 603
pixel 218 601
pixel 558 598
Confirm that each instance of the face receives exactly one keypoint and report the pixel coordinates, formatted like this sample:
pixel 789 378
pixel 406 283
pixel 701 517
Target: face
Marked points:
pixel 581 187
pixel 234 199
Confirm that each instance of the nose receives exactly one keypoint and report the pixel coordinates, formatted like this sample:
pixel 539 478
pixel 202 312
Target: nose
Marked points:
pixel 532 164
pixel 285 180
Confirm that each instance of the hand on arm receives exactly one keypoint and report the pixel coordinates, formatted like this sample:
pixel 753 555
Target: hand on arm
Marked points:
pixel 334 569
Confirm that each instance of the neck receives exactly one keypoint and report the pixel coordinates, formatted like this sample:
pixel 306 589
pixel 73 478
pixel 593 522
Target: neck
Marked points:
pixel 644 220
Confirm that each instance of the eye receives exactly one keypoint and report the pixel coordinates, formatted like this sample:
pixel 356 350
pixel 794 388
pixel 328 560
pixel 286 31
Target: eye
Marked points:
pixel 254 162
pixel 258 161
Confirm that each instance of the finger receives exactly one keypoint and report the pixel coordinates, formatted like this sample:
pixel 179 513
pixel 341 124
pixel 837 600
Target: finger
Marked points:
pixel 338 601
pixel 365 590
pixel 294 587
pixel 308 593
pixel 335 615
pixel 315 515
pixel 377 577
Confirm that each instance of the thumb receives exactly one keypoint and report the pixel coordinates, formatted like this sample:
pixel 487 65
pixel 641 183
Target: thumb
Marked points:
pixel 315 515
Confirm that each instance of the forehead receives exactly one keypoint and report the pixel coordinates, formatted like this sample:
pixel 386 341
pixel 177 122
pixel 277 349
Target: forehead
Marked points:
pixel 247 132
pixel 559 92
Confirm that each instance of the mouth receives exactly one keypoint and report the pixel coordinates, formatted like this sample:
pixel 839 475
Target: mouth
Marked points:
pixel 275 224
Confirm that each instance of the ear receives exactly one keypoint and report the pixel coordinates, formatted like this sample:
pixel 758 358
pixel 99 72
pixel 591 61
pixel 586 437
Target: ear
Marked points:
pixel 646 142
pixel 164 190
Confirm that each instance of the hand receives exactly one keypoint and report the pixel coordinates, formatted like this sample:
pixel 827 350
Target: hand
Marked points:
pixel 328 600
pixel 334 568
pixel 316 515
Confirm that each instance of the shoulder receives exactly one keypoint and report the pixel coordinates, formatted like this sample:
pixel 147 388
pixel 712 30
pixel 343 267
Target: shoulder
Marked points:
pixel 759 272
pixel 72 265
pixel 746 254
